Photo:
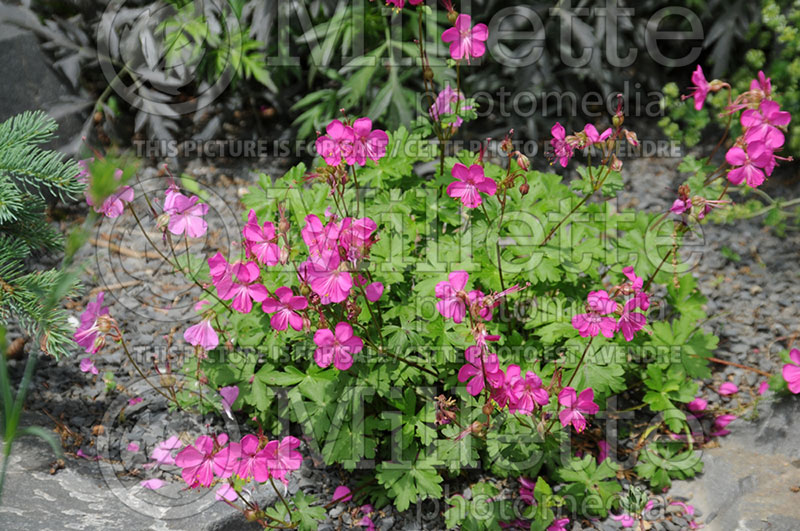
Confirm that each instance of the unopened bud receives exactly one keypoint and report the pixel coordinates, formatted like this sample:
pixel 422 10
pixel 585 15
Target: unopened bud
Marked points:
pixel 284 256
pixel 523 162
pixel 452 16
pixel 524 188
pixel 488 407
pixel 617 120
pixel 162 221
pixel 250 515
pixel 616 164
pixel 283 226
pixel 631 137
pixel 427 74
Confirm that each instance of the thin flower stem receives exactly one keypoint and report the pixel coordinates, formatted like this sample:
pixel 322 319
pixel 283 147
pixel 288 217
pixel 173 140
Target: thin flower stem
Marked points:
pixel 355 183
pixel 653 276
pixel 141 373
pixel 167 260
pixel 400 358
pixel 554 229
pixel 739 365
pixel 285 503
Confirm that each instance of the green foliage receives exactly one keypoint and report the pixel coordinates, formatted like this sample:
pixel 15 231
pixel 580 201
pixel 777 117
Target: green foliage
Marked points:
pixel 30 175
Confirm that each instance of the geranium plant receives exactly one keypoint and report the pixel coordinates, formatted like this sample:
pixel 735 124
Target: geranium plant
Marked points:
pixel 410 327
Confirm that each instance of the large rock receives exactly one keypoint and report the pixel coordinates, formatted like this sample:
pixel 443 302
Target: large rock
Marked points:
pixel 29 83
pixel 748 482
pixel 84 496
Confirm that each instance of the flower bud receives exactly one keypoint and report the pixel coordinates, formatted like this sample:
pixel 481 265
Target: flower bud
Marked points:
pixel 616 164
pixel 427 73
pixel 452 16
pixel 283 225
pixel 523 162
pixel 617 120
pixel 488 407
pixel 631 137
pixel 524 188
pixel 284 256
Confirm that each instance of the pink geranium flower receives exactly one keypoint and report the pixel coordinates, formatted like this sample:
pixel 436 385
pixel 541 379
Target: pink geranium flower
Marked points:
pixel 762 124
pixel 330 146
pixel 593 137
pixel 285 308
pixel 632 321
pixel 728 388
pixel 595 321
pixel 283 457
pixel 356 236
pixel 474 370
pixel 527 392
pixel 114 205
pixel 562 149
pixel 242 287
pixel 451 293
pixel 575 406
pixel 337 348
pixel 700 89
pixel 366 143
pixel 94 325
pixel 202 334
pixel 253 461
pixel 466 41
pixel 203 460
pixel 186 216
pixel 260 240
pixel 469 184
pixel 447 102
pixel 747 164
pixel 326 275
pixel 791 371
pixel 319 237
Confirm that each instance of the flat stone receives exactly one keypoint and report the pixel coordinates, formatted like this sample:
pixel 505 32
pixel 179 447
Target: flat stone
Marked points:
pixel 746 482
pixel 86 495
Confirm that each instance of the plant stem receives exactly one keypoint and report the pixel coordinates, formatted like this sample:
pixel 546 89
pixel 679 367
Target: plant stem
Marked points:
pixel 285 503
pixel 554 229
pixel 141 373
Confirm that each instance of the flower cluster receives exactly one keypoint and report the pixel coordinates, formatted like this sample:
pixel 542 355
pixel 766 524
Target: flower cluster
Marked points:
pixel 331 274
pixel 604 315
pixel 213 458
pixel 752 157
pixel 520 392
pixel 354 143
pixel 564 145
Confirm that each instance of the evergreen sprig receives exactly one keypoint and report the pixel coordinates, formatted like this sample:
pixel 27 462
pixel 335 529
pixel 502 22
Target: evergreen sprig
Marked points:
pixel 30 176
